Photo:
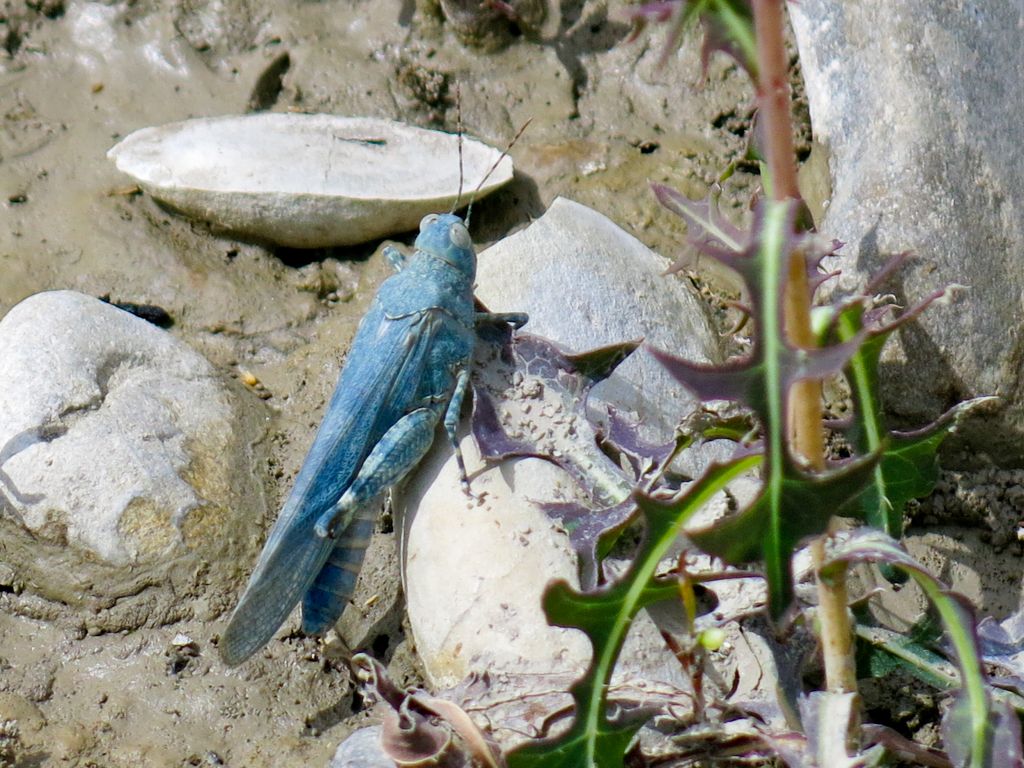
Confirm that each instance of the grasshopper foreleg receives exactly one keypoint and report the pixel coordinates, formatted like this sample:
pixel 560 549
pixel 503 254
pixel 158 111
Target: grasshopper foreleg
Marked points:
pixel 398 451
pixel 515 319
pixel 395 258
pixel 451 424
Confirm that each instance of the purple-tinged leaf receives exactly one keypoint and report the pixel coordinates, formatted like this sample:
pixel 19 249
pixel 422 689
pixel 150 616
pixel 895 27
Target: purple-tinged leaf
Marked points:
pixel 1007 750
pixel 598 364
pixel 672 13
pixel 409 738
pixel 491 438
pixel 417 728
pixel 606 615
pixel 1002 642
pixel 643 456
pixel 530 399
pixel 1001 735
pixel 903 749
pixel 407 735
pixel 817 363
pixel 659 11
pixel 729 28
pixel 591 532
pixel 543 357
pixel 1002 651
pixel 816 275
pixel 742 380
pixel 707 225
pixel 735 380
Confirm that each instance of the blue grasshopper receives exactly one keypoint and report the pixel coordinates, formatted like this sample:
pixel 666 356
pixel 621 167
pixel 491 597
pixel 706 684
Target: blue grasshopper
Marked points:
pixel 408 367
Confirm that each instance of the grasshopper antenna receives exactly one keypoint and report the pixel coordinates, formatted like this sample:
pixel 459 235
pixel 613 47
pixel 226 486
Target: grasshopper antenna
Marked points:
pixel 504 154
pixel 458 114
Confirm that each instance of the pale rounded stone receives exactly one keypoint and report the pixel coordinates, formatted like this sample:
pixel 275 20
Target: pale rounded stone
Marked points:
pixel 307 181
pixel 121 466
pixel 362 749
pixel 474 571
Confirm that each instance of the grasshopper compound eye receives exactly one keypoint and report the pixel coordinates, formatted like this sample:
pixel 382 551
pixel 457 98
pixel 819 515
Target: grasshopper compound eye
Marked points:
pixel 427 220
pixel 459 236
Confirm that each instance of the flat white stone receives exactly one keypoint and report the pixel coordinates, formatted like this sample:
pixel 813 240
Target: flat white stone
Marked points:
pixel 307 181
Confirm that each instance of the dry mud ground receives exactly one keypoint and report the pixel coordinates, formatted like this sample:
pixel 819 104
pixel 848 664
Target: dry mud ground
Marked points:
pixel 75 76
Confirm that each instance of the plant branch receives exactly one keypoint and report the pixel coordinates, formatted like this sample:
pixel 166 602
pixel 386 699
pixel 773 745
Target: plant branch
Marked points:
pixel 806 436
pixel 773 98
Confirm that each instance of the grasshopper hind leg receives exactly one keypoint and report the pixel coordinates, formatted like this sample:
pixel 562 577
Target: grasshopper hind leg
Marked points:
pixel 326 598
pixel 401 449
pixel 351 519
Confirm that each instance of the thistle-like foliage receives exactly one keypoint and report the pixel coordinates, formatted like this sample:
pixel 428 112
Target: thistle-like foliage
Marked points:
pixel 605 615
pixel 979 730
pixel 794 501
pixel 728 27
pixel 909 465
pixel 533 375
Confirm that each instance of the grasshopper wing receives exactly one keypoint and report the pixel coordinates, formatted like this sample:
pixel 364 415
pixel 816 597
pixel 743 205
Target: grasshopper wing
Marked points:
pixel 376 387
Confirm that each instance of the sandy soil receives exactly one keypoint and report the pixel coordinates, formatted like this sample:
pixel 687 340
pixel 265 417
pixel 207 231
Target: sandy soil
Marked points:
pixel 75 76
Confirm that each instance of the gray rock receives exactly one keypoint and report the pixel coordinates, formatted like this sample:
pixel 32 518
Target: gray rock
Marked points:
pixel 475 570
pixel 121 463
pixel 362 749
pixel 586 283
pixel 922 126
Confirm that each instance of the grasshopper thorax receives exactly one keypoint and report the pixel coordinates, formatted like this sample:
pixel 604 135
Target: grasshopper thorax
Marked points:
pixel 445 237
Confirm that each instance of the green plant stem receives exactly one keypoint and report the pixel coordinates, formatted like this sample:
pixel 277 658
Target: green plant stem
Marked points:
pixel 805 432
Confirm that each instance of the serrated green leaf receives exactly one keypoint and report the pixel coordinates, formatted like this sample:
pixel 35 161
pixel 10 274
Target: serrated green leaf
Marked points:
pixel 605 616
pixel 598 364
pixel 909 467
pixel 791 506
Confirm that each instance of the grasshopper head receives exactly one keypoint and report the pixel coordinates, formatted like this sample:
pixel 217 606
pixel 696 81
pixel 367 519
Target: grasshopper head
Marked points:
pixel 444 236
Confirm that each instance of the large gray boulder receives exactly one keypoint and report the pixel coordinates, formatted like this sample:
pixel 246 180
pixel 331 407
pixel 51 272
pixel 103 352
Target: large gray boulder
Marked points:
pixel 126 486
pixel 922 124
